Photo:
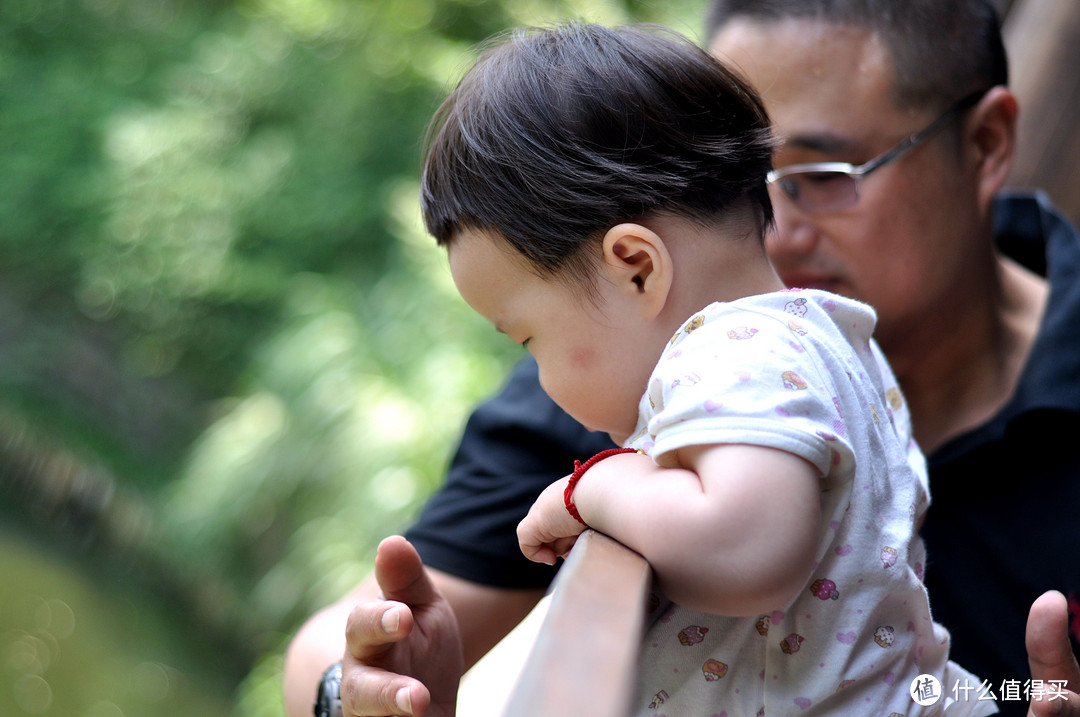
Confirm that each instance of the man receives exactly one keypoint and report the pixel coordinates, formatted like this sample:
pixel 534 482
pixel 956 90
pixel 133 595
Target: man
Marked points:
pixel 981 345
pixel 958 320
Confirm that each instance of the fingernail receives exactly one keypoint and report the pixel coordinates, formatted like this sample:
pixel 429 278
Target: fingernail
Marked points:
pixel 391 621
pixel 403 700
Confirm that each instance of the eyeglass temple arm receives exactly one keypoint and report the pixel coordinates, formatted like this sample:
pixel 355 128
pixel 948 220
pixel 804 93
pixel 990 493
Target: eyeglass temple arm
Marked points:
pixel 906 145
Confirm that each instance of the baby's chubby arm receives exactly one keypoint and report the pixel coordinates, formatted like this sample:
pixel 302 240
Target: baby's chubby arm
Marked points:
pixel 731 531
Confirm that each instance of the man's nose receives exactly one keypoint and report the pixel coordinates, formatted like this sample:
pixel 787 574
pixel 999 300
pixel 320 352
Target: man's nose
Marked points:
pixel 793 236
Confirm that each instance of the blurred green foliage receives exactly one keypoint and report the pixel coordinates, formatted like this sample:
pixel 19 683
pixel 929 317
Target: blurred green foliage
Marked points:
pixel 230 359
pixel 73 646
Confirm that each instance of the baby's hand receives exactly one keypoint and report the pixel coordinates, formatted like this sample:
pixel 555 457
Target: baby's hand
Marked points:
pixel 549 531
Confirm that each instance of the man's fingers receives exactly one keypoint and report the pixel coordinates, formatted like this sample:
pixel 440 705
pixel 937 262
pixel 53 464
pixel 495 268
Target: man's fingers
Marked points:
pixel 401 573
pixel 1050 655
pixel 371 692
pixel 374 627
pixel 1049 652
pixel 380 640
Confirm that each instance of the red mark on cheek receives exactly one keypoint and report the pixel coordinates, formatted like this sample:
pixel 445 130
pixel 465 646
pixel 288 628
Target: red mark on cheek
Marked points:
pixel 582 358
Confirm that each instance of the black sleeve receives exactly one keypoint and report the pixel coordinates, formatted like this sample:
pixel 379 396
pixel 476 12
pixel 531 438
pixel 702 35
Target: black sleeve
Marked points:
pixel 514 446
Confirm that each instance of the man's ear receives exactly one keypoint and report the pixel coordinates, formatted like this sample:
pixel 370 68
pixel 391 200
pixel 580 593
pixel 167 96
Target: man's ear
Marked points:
pixel 993 126
pixel 637 263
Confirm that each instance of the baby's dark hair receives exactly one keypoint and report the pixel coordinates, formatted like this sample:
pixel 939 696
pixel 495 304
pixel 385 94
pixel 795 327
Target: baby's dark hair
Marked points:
pixel 557 135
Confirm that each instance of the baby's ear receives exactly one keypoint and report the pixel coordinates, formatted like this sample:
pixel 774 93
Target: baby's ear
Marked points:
pixel 637 262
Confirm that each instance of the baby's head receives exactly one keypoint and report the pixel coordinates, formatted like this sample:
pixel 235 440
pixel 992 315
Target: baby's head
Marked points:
pixel 557 135
pixel 556 139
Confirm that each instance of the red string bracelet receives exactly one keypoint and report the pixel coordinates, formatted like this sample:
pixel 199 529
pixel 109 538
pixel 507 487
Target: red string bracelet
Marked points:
pixel 579 470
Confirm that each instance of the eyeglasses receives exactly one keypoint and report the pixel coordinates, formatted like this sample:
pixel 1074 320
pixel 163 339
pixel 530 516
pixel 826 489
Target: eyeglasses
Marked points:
pixel 834 186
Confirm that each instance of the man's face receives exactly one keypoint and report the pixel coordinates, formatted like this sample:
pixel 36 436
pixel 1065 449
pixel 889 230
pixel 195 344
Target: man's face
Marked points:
pixel 904 246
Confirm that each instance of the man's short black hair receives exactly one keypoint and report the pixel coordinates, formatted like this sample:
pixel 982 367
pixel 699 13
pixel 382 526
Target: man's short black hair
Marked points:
pixel 942 50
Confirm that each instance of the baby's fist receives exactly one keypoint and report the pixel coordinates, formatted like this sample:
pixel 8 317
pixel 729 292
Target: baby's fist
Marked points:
pixel 549 531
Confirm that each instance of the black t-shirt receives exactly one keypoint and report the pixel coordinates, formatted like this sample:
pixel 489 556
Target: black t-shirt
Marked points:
pixel 1005 498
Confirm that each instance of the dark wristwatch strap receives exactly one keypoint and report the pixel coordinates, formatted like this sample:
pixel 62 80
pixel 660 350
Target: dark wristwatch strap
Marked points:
pixel 328 698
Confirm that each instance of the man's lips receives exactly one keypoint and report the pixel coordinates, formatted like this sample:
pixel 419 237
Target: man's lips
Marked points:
pixel 805 280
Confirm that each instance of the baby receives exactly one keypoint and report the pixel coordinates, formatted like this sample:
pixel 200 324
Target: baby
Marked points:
pixel 602 196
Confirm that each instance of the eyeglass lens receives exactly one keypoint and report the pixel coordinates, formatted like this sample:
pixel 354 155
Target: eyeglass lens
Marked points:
pixel 821 191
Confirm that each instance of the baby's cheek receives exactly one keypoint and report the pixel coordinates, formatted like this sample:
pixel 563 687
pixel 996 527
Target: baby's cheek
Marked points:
pixel 583 357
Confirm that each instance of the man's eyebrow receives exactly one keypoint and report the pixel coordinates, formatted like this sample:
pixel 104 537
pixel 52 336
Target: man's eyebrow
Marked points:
pixel 824 142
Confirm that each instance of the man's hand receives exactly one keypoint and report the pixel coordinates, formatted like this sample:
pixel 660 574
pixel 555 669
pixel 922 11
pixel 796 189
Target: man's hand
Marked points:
pixel 549 531
pixel 403 655
pixel 1050 657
